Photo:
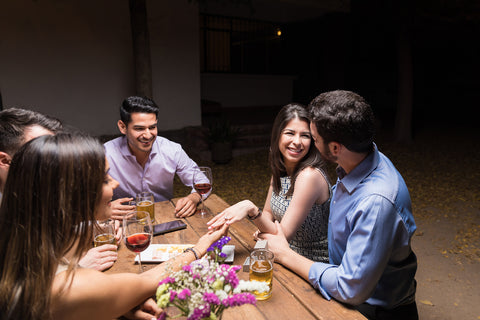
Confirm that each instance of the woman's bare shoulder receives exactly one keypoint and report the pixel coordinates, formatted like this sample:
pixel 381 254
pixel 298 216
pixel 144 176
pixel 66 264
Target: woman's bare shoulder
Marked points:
pixel 312 179
pixel 310 173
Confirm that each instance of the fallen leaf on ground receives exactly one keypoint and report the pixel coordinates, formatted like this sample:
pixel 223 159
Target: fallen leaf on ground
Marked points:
pixel 426 302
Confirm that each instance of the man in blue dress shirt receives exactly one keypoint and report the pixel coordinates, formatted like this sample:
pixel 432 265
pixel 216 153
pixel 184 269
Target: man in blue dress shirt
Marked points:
pixel 372 265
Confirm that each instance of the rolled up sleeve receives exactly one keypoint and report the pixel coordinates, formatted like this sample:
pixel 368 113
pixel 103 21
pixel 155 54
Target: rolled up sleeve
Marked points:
pixel 315 274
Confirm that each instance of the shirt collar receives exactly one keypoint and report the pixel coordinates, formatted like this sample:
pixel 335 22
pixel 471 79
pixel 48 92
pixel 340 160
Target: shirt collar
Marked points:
pixel 126 151
pixel 360 172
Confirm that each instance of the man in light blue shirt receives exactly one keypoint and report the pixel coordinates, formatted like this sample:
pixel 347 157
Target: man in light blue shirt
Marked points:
pixel 140 161
pixel 372 265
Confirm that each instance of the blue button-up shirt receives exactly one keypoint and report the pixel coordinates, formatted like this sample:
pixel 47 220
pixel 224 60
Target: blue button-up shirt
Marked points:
pixel 166 159
pixel 369 234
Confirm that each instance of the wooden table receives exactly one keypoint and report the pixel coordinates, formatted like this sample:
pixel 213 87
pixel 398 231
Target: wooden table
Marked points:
pixel 292 297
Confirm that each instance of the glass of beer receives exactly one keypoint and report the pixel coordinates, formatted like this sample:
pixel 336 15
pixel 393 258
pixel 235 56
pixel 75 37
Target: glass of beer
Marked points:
pixel 104 233
pixel 261 269
pixel 145 202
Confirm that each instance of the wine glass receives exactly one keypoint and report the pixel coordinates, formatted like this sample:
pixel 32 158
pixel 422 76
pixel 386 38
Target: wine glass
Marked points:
pixel 202 182
pixel 137 231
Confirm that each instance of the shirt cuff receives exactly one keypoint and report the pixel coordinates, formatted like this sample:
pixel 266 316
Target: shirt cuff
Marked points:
pixel 315 275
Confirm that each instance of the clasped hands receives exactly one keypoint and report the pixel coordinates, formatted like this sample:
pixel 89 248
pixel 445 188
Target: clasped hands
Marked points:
pixel 277 241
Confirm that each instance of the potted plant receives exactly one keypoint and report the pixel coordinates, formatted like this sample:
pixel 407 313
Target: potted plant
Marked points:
pixel 221 136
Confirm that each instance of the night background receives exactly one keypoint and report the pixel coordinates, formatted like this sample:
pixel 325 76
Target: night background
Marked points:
pixel 420 53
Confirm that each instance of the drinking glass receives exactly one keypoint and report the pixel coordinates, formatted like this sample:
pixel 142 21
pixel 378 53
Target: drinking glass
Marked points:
pixel 261 269
pixel 137 232
pixel 104 233
pixel 202 182
pixel 144 202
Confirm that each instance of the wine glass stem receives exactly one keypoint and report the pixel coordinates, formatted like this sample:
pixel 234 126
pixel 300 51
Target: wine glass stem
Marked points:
pixel 139 263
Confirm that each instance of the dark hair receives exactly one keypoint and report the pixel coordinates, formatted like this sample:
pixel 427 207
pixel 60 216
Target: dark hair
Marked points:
pixel 344 117
pixel 277 164
pixel 15 121
pixel 53 188
pixel 136 104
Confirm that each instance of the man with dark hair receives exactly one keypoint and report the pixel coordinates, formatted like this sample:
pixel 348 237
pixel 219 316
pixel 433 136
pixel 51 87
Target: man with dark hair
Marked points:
pixel 17 127
pixel 141 161
pixel 372 265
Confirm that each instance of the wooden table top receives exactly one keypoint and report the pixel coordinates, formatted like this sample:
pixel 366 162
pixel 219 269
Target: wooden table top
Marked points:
pixel 292 297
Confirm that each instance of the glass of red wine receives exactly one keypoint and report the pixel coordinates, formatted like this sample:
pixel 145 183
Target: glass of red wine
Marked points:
pixel 137 232
pixel 202 182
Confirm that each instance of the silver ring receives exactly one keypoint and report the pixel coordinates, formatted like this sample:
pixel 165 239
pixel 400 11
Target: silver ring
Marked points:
pixel 226 218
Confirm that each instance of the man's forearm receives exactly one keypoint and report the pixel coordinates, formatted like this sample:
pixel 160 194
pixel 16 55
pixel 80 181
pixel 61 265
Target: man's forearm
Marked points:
pixel 295 262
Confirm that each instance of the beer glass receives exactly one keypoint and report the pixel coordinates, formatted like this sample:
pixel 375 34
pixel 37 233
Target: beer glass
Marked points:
pixel 261 269
pixel 144 202
pixel 104 233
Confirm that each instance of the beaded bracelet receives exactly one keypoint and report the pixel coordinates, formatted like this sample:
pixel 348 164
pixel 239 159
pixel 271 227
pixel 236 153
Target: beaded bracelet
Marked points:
pixel 193 251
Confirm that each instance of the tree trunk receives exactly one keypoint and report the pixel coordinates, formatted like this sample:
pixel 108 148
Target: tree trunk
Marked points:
pixel 141 48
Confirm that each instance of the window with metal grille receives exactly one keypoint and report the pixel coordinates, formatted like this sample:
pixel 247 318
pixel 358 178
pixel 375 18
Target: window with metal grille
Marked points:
pixel 235 45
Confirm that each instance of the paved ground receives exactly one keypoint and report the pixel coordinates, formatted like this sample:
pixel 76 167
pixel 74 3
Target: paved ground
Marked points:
pixel 448 280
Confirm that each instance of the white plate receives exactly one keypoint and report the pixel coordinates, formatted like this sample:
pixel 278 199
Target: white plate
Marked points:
pixel 163 252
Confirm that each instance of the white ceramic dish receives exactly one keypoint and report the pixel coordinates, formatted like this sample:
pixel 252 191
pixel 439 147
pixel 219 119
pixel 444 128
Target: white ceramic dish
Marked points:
pixel 163 252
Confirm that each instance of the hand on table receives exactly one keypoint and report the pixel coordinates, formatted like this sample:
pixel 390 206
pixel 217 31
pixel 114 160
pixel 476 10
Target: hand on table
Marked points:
pixel 232 214
pixel 187 206
pixel 119 209
pixel 277 243
pixel 256 235
pixel 118 230
pixel 148 310
pixel 99 258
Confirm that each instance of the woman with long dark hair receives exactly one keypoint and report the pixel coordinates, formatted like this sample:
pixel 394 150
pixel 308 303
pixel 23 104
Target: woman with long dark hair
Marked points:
pixel 299 191
pixel 56 189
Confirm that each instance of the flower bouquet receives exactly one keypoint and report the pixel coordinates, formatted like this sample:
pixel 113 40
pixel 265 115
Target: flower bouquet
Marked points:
pixel 205 288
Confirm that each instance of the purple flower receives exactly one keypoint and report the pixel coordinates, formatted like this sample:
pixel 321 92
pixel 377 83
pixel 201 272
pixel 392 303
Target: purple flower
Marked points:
pixel 236 267
pixel 232 278
pixel 173 294
pixel 167 280
pixel 239 299
pixel 200 313
pixel 211 298
pixel 162 316
pixel 231 273
pixel 184 294
pixel 219 244
pixel 187 268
